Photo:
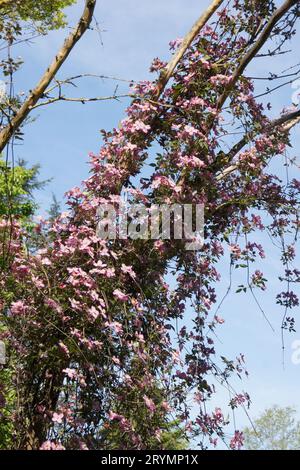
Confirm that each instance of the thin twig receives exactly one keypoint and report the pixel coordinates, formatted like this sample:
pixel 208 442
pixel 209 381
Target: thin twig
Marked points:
pixel 50 73
pixel 79 100
pixel 275 18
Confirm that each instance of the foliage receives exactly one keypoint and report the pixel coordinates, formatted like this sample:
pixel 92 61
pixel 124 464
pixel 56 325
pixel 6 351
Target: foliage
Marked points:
pixel 44 14
pixel 7 407
pixel 17 184
pixel 54 210
pixel 275 429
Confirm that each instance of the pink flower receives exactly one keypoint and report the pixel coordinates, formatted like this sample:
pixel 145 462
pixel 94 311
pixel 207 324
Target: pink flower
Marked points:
pixel 75 304
pixel 239 399
pixel 189 77
pixel 243 97
pixel 22 269
pixel 198 397
pixel 165 406
pixel 128 270
pixel 237 441
pixel 219 320
pixel 218 415
pixel 143 87
pixel 194 102
pixel 38 282
pixel 191 162
pixel 214 441
pixel 109 272
pixel 114 416
pixel 220 79
pixel 160 180
pixel 191 131
pixel 175 43
pixel 71 373
pixel 130 147
pixel 57 418
pixel 49 445
pixel 205 63
pixel 93 313
pixel 53 305
pixel 18 308
pixel 157 65
pixel 74 193
pixel 181 375
pixel 281 147
pixel 120 295
pixel 135 126
pixel 149 403
pixel 64 348
pixel 83 446
pixel 116 327
pixel 159 245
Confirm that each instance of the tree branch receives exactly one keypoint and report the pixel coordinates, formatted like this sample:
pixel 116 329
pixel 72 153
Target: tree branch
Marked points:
pixel 167 73
pixel 48 76
pixel 71 80
pixel 287 122
pixel 277 15
pixel 79 100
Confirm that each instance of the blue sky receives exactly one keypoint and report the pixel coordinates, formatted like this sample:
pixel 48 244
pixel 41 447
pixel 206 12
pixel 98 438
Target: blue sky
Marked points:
pixel 133 32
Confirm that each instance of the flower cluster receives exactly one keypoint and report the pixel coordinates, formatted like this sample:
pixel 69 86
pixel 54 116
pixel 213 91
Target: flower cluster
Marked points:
pixel 107 346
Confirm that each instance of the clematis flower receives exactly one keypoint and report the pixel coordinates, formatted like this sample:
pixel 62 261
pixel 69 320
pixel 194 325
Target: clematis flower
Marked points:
pixel 18 308
pixel 71 373
pixel 120 295
pixel 149 403
pixel 128 270
pixel 57 418
pixel 237 441
pixel 175 43
pixel 50 445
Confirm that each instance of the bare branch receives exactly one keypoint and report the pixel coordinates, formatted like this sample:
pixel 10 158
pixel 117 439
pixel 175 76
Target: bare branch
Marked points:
pixel 79 100
pixel 273 77
pixel 269 91
pixel 70 80
pixel 189 38
pixel 50 73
